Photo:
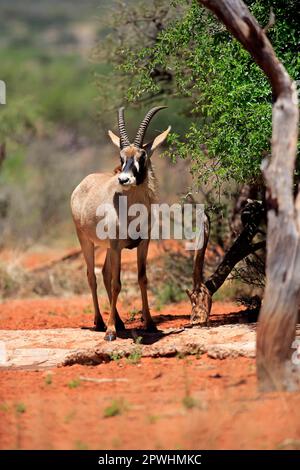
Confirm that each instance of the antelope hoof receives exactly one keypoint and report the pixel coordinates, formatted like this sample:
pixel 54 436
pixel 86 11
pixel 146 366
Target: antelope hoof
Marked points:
pixel 110 336
pixel 151 328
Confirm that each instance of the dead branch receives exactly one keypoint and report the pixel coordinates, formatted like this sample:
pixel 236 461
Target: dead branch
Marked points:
pixel 200 296
pixel 271 21
pixel 252 215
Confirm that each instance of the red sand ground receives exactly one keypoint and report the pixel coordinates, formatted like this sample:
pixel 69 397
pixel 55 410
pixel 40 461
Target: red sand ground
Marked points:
pixel 77 311
pixel 166 403
pixel 227 410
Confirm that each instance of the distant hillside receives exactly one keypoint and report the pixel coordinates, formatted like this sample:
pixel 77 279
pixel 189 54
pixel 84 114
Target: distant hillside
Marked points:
pixel 65 25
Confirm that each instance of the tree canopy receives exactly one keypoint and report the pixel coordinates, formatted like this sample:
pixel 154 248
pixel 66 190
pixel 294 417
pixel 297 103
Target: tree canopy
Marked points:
pixel 181 53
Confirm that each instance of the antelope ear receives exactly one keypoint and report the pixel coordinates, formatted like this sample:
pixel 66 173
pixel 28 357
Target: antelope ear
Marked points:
pixel 114 138
pixel 151 146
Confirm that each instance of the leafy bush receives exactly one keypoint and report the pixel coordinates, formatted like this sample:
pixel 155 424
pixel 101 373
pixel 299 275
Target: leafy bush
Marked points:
pixel 193 58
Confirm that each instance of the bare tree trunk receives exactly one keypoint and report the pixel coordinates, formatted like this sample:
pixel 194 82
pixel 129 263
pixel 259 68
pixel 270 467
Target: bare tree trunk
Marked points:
pixel 278 316
pixel 200 296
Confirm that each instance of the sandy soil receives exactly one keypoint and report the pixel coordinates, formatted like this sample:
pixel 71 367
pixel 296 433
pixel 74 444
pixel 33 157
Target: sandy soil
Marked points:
pixel 77 311
pixel 161 403
pixel 165 403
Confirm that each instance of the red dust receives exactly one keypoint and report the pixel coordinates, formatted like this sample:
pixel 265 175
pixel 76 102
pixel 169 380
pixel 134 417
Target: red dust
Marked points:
pixel 163 403
pixel 77 311
pixel 166 403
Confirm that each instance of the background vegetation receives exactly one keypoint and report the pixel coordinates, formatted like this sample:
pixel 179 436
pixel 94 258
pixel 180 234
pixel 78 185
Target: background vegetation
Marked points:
pixel 183 55
pixel 69 64
pixel 55 122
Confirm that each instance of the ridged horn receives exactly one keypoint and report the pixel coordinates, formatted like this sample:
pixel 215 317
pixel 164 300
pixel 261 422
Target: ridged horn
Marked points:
pixel 124 140
pixel 139 139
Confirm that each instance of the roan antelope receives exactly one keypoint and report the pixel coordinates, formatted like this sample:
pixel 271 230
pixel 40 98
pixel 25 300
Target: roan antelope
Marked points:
pixel 137 182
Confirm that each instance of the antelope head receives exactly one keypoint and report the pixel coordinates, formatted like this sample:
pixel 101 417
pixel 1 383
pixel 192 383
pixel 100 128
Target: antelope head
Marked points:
pixel 135 157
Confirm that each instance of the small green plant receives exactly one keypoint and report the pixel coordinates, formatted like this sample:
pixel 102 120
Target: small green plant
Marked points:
pixel 169 293
pixel 20 408
pixel 135 356
pixel 52 313
pixel 88 310
pixel 4 407
pixel 117 407
pixel 132 314
pixel 69 417
pixel 8 284
pixel 48 379
pixel 153 419
pixel 116 443
pixel 289 444
pixel 74 383
pixel 189 402
pixel 80 445
pixel 116 356
pixel 181 355
pixel 138 340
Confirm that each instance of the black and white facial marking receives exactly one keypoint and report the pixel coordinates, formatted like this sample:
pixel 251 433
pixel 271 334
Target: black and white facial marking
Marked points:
pixel 134 166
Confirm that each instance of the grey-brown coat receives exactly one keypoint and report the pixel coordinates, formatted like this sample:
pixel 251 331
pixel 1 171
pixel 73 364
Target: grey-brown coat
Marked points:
pixel 136 181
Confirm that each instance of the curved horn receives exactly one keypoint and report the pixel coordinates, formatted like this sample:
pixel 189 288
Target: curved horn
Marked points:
pixel 138 141
pixel 124 140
